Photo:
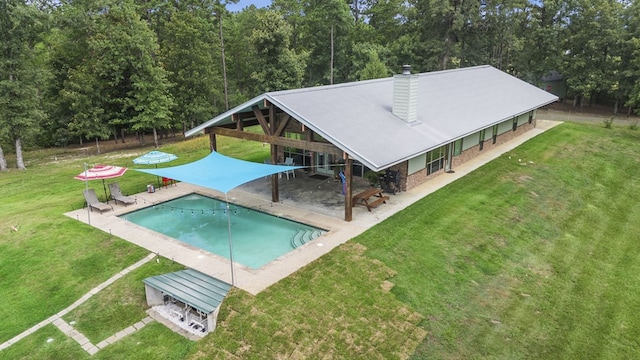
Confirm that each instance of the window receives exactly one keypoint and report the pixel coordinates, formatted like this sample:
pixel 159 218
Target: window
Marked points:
pixel 291 151
pixel 481 144
pixel 457 147
pixel 530 117
pixel 470 141
pixel 495 134
pixel 515 123
pixel 435 160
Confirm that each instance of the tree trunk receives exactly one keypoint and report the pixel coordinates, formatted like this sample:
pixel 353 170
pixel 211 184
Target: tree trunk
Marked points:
pixel 98 145
pixel 615 108
pixel 445 55
pixel 224 65
pixel 3 161
pixel 331 65
pixel 122 134
pixel 155 138
pixel 19 160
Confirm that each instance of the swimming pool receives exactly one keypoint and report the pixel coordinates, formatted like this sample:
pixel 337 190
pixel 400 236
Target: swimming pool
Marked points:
pixel 257 237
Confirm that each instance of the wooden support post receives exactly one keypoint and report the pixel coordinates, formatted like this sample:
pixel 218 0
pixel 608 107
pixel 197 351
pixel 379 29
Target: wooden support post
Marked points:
pixel 213 146
pixel 275 188
pixel 348 198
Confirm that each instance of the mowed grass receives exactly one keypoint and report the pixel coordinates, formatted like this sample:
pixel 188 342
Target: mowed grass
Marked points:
pixel 535 255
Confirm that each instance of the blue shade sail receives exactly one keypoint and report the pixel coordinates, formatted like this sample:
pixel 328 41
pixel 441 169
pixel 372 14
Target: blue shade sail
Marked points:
pixel 219 172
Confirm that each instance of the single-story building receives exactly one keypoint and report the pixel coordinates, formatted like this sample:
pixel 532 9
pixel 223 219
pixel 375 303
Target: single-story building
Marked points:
pixel 415 125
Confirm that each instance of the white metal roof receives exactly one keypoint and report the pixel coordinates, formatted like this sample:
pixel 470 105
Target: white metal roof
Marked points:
pixel 357 117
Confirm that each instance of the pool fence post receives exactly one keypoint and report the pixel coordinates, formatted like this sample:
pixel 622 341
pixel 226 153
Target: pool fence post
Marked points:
pixel 233 282
pixel 86 188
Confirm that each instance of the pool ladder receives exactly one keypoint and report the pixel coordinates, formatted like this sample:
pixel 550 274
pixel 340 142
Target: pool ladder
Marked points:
pixel 302 237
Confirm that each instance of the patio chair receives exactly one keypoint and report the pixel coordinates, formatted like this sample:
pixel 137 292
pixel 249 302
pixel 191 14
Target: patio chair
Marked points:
pixel 289 162
pixel 116 194
pixel 93 203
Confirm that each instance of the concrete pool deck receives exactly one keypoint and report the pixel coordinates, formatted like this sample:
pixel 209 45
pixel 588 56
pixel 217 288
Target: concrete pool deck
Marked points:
pixel 310 211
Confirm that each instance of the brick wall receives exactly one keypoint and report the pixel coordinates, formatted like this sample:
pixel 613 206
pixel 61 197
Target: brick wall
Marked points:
pixel 421 176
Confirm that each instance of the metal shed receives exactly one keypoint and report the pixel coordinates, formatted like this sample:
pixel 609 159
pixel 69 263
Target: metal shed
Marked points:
pixel 199 296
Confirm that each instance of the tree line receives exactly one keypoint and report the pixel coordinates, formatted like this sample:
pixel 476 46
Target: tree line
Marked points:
pixel 85 70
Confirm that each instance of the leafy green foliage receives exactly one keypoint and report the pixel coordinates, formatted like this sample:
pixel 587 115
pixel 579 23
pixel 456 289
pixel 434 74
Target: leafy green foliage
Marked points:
pixel 20 74
pixel 277 67
pixel 190 56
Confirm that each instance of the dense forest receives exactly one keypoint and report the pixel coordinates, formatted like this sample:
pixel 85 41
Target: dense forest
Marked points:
pixel 85 70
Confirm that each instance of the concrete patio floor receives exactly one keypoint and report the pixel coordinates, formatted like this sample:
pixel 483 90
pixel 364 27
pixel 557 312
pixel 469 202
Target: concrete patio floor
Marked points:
pixel 304 199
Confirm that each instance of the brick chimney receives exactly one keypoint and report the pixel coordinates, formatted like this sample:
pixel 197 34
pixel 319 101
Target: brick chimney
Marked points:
pixel 405 95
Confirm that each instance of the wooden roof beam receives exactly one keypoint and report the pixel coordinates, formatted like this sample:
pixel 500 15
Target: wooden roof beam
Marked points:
pixel 262 120
pixel 282 125
pixel 278 140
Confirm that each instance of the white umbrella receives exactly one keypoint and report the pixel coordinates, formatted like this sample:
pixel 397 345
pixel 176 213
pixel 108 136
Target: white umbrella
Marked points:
pixel 154 157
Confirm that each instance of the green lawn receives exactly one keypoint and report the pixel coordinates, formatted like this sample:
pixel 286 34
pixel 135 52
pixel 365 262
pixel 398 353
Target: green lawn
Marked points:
pixel 535 255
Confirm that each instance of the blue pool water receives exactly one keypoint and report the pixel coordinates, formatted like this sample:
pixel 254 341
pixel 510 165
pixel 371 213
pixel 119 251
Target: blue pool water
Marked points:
pixel 257 237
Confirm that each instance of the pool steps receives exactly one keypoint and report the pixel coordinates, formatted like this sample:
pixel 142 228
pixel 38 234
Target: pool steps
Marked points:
pixel 302 237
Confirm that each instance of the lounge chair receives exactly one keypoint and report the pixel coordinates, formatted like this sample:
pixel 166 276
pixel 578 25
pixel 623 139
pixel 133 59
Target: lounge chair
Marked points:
pixel 116 194
pixel 93 203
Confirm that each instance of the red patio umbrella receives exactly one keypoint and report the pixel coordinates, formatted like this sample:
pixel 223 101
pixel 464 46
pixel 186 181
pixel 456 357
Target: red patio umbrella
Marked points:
pixel 101 172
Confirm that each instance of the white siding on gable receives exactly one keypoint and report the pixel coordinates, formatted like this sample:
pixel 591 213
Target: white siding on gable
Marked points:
pixel 505 126
pixel 470 141
pixel 417 163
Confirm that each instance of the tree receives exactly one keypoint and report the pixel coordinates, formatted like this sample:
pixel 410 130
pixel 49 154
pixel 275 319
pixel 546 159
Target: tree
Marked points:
pixel 442 26
pixel 630 86
pixel 20 106
pixel 327 25
pixel 119 83
pixel 189 54
pixel 592 41
pixel 374 69
pixel 542 31
pixel 388 19
pixel 277 66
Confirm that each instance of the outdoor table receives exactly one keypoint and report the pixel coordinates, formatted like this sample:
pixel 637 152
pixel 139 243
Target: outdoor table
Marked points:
pixel 363 198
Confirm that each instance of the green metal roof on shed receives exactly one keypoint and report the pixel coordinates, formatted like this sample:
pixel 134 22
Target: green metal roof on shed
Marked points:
pixel 191 287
